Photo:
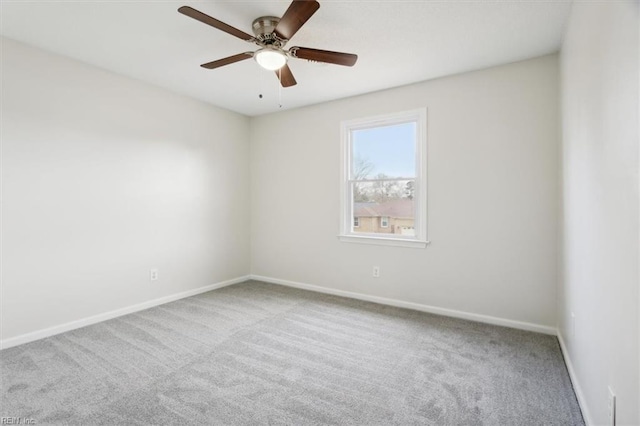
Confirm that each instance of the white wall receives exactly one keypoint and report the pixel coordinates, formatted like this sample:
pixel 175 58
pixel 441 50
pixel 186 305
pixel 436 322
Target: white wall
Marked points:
pixel 599 279
pixel 493 140
pixel 103 178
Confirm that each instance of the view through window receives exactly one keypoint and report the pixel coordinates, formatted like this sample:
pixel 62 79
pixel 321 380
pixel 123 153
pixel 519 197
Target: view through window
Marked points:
pixel 383 173
pixel 384 177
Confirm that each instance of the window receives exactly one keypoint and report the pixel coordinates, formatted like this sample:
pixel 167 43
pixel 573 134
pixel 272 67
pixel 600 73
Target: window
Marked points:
pixel 384 187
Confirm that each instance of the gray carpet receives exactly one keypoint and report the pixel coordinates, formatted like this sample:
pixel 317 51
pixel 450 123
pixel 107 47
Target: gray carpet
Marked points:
pixel 256 353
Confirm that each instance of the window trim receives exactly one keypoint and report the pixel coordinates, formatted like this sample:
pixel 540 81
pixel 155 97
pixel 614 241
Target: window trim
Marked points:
pixel 356 222
pixel 420 240
pixel 384 221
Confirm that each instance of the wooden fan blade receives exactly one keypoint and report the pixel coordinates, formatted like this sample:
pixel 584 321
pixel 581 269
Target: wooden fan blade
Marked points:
pixel 297 14
pixel 327 56
pixel 204 18
pixel 226 61
pixel 285 76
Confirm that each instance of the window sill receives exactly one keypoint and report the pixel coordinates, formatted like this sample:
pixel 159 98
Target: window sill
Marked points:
pixel 383 241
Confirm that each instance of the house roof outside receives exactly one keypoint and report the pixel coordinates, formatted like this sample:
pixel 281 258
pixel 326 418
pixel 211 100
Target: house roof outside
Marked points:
pixel 399 208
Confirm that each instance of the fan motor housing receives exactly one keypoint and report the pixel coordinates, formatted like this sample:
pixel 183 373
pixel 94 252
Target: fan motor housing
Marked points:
pixel 263 28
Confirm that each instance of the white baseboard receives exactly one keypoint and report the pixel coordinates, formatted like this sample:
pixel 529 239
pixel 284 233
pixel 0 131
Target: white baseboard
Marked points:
pixel 414 306
pixel 574 381
pixel 51 331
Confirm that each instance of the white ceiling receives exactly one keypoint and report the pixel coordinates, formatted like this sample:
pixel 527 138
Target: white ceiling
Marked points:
pixel 398 42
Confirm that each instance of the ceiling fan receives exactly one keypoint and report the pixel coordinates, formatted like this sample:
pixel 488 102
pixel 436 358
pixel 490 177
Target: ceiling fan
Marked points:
pixel 271 34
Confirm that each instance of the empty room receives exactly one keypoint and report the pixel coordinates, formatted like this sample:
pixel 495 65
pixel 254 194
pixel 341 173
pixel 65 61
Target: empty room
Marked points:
pixel 320 212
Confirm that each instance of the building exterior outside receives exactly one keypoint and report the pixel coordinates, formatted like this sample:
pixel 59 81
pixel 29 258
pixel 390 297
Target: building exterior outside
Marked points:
pixel 388 217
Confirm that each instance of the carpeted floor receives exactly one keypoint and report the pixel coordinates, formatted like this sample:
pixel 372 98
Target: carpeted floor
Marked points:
pixel 256 353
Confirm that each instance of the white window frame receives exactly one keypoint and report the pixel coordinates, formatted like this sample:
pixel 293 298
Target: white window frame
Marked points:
pixel 419 116
pixel 356 222
pixel 384 221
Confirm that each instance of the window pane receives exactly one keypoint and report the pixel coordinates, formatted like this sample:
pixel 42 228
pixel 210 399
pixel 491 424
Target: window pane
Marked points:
pixel 384 152
pixel 384 207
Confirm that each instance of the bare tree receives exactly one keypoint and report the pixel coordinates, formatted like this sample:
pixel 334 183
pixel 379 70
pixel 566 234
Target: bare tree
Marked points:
pixel 409 190
pixel 382 189
pixel 362 168
pixel 385 190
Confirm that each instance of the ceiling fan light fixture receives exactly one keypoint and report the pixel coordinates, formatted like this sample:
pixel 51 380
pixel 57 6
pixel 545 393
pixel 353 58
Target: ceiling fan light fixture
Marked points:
pixel 271 34
pixel 270 59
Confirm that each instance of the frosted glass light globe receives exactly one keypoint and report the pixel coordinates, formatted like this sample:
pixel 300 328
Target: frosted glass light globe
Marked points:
pixel 270 59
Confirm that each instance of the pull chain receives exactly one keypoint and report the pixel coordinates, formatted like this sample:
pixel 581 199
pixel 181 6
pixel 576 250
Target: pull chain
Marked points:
pixel 260 83
pixel 279 87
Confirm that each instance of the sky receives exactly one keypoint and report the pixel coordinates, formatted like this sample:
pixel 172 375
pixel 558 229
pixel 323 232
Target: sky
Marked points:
pixel 391 149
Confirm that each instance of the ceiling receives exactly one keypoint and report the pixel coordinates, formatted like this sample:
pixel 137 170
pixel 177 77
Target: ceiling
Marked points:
pixel 398 42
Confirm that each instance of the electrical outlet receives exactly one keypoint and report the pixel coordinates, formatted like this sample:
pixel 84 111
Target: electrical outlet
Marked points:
pixel 611 407
pixel 153 274
pixel 376 272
